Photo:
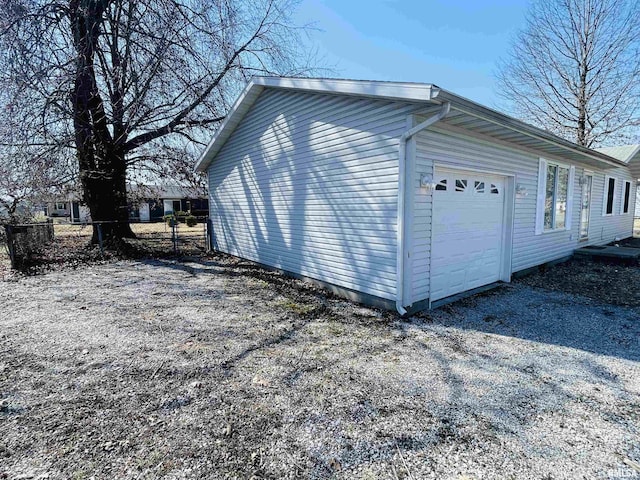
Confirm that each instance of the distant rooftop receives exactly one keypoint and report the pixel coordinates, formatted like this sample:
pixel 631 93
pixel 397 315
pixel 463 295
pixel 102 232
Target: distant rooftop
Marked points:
pixel 624 153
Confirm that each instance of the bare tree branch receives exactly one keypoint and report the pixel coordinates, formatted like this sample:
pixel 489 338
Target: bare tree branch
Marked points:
pixel 575 70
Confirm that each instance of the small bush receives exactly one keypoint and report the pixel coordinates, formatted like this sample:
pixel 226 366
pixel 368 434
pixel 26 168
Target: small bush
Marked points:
pixel 170 219
pixel 191 220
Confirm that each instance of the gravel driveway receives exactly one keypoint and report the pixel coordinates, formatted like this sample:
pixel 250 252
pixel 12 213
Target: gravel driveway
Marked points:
pixel 218 369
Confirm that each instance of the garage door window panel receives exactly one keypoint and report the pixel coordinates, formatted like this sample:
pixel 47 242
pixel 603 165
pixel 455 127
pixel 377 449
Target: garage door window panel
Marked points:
pixel 461 185
pixel 442 185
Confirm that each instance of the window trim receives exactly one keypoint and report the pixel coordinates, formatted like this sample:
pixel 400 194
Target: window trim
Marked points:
pixel 622 198
pixel 542 187
pixel 605 196
pixel 585 174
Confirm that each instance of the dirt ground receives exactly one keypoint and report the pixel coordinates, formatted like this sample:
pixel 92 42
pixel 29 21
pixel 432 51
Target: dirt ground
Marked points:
pixel 213 368
pixel 607 281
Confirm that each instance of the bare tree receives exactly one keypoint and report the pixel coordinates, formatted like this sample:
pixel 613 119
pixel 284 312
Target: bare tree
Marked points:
pixel 575 69
pixel 30 169
pixel 127 82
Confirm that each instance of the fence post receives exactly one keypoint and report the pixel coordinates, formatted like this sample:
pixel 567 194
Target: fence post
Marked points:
pixel 207 238
pixel 100 239
pixel 209 235
pixel 10 246
pixel 50 229
pixel 174 236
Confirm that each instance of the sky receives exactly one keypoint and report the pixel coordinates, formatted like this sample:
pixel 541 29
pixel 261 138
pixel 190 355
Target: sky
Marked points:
pixel 454 44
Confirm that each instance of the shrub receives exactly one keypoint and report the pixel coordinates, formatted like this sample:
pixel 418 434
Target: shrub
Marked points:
pixel 191 220
pixel 170 219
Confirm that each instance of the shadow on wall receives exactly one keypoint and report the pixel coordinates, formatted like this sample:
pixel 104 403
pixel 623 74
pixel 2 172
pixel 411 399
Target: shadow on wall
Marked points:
pixel 313 194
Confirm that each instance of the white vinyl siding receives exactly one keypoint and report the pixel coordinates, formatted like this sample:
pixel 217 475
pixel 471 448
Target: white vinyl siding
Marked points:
pixel 308 183
pixel 421 225
pixel 448 146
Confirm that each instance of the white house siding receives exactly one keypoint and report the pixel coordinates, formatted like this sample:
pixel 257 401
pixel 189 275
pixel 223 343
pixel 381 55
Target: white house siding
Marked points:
pixel 452 147
pixel 308 183
pixel 421 225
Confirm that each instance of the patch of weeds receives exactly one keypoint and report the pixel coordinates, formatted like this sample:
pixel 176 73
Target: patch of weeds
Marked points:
pixel 335 329
pixel 449 309
pixel 258 282
pixel 295 307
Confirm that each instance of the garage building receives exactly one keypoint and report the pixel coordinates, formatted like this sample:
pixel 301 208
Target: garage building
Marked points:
pixel 402 195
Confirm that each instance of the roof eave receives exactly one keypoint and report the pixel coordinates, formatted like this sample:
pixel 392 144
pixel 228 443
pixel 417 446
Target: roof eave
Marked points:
pixel 408 92
pixel 471 108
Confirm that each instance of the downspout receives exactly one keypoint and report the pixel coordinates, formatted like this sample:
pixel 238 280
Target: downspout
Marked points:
pixel 402 189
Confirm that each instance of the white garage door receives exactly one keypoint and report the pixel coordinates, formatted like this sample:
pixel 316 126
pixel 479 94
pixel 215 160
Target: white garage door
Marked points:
pixel 468 212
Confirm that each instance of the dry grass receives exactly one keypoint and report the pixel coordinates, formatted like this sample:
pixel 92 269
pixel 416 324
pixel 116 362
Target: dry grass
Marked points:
pixel 145 229
pixel 218 369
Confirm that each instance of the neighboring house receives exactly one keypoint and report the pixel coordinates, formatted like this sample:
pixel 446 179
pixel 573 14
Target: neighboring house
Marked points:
pixel 629 154
pixel 154 202
pixel 401 194
pixel 150 204
pixel 66 206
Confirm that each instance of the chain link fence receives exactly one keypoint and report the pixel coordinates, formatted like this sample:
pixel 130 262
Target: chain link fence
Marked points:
pixel 25 242
pixel 30 245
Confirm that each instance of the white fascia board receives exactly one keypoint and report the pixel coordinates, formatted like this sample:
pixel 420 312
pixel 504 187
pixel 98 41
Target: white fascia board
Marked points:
pixel 405 91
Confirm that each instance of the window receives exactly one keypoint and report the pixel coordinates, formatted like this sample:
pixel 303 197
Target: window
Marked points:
pixel 442 184
pixel 61 206
pixel 461 185
pixel 609 198
pixel 626 197
pixel 494 190
pixel 479 187
pixel 555 197
pixel 555 202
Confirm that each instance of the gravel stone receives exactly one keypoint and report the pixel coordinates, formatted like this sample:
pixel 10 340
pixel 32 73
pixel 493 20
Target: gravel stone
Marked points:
pixel 218 369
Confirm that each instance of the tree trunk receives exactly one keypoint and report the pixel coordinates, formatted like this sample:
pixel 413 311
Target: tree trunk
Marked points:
pixel 101 161
pixel 105 193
